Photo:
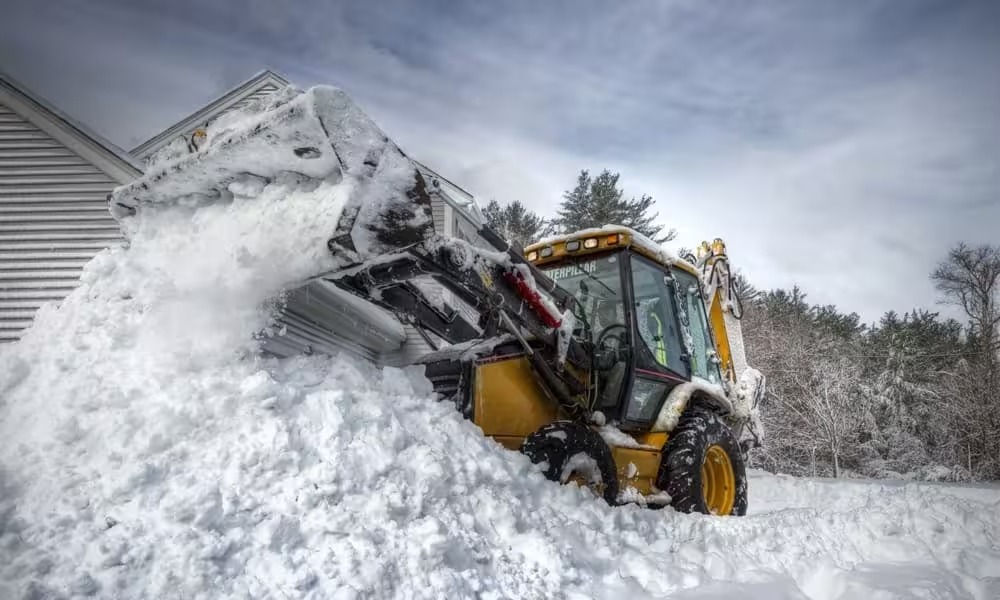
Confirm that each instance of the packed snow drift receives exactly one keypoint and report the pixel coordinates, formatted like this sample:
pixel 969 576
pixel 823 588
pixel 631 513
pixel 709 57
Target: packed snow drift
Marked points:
pixel 148 451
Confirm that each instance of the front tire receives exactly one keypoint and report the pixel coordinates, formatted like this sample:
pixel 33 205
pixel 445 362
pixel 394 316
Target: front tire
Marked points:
pixel 702 468
pixel 573 452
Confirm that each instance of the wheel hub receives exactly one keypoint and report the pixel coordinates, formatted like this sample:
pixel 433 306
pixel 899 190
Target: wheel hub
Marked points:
pixel 718 481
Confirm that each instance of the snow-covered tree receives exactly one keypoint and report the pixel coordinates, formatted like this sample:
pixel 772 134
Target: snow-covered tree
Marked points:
pixel 913 382
pixel 969 278
pixel 909 363
pixel 827 409
pixel 515 223
pixel 813 407
pixel 598 201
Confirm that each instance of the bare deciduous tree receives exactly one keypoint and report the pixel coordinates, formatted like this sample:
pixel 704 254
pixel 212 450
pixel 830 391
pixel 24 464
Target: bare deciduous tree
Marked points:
pixel 970 278
pixel 826 409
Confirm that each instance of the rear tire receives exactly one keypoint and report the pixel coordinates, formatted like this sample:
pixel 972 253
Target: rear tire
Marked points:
pixel 702 468
pixel 569 451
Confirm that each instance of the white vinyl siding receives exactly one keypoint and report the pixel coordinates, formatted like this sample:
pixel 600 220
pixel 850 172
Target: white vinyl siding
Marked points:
pixel 413 347
pixel 323 318
pixel 440 213
pixel 53 219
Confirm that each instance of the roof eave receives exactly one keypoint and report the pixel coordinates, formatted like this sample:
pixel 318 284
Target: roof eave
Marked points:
pixel 111 159
pixel 234 95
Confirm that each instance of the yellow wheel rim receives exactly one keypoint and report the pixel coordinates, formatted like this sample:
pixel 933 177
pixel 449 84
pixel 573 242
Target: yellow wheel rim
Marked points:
pixel 718 481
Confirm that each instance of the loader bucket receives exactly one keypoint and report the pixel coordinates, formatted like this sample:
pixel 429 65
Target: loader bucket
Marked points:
pixel 317 134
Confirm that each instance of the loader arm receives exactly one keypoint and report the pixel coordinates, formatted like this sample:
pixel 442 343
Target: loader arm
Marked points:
pixel 725 311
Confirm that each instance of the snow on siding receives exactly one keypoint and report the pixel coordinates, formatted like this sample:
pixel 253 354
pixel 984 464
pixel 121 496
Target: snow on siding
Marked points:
pixel 53 219
pixel 261 92
pixel 260 86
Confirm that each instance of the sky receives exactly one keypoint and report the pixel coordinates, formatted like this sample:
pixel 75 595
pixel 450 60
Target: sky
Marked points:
pixel 839 146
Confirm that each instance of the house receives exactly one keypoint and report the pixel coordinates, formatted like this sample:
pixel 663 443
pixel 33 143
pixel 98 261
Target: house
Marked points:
pixel 54 179
pixel 55 175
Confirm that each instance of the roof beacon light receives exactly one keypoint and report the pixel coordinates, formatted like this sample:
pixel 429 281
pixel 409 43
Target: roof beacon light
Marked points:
pixel 612 239
pixel 590 243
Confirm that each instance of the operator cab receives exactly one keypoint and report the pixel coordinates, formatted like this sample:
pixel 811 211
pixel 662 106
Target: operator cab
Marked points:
pixel 633 309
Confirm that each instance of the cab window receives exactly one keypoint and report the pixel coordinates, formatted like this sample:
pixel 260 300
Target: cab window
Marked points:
pixel 654 312
pixel 595 282
pixel 702 345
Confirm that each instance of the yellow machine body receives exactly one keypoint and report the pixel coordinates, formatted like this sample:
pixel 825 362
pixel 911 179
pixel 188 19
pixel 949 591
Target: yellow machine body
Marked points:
pixel 509 404
pixel 508 401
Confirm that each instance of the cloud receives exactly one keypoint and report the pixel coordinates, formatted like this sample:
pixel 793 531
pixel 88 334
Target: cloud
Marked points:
pixel 840 146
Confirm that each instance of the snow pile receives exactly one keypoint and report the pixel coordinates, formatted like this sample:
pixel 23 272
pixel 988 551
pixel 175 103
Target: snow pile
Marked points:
pixel 146 451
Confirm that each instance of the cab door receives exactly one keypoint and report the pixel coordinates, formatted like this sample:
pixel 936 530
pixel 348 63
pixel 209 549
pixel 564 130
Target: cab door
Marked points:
pixel 704 360
pixel 660 359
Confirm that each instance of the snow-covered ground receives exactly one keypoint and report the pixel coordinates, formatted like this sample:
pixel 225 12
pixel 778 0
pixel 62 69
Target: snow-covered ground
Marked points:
pixel 147 452
pixel 329 479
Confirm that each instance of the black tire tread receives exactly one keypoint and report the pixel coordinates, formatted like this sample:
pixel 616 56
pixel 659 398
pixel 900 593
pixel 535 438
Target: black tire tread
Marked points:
pixel 541 447
pixel 680 467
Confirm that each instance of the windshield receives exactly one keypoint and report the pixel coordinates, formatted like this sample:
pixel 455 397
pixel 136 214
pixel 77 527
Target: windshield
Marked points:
pixel 595 281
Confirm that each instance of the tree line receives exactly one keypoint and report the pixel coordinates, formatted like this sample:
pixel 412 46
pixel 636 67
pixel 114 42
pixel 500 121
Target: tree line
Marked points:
pixel 915 395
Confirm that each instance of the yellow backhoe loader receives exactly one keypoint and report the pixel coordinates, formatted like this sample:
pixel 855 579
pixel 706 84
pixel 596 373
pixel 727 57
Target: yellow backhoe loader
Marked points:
pixel 604 359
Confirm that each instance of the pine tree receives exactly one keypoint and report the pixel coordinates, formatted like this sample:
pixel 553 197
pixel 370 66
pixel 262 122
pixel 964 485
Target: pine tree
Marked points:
pixel 598 201
pixel 745 290
pixel 912 364
pixel 515 223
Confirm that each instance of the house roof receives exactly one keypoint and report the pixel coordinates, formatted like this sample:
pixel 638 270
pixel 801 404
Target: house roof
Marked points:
pixel 108 157
pixel 459 198
pixel 263 80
